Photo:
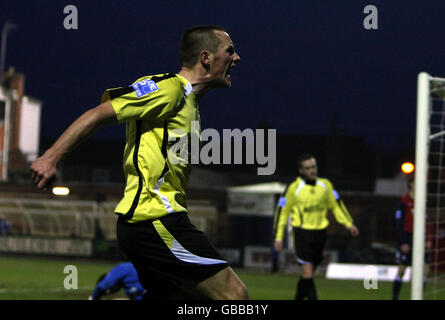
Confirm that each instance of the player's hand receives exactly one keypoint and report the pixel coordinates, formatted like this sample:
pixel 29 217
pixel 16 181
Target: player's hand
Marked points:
pixel 278 245
pixel 428 245
pixel 405 248
pixel 354 231
pixel 43 172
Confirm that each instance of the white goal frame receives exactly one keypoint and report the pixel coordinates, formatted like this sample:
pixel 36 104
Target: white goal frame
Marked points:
pixel 423 137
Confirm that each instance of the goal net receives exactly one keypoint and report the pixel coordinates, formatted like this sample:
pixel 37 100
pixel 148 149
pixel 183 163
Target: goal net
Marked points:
pixel 429 197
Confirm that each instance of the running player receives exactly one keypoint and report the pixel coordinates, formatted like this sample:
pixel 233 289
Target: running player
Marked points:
pixel 170 255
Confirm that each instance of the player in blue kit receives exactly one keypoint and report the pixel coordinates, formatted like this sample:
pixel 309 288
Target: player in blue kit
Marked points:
pixel 122 276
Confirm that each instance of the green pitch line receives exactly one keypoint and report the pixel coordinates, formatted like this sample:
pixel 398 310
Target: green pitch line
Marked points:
pixel 42 279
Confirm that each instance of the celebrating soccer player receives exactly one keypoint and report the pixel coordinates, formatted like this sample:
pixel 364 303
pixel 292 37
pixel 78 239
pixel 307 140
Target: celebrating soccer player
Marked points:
pixel 308 200
pixel 170 255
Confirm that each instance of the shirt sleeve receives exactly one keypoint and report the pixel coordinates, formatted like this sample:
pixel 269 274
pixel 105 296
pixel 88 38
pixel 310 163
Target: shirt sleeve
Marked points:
pixel 338 207
pixel 285 204
pixel 145 99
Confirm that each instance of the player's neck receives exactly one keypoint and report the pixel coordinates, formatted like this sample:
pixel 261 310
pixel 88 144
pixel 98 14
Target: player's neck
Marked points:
pixel 198 81
pixel 309 181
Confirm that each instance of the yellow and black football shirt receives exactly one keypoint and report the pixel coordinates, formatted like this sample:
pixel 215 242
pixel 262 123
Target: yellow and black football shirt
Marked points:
pixel 158 110
pixel 308 206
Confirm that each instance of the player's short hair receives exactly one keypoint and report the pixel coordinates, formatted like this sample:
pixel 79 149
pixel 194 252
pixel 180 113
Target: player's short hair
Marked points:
pixel 302 158
pixel 196 39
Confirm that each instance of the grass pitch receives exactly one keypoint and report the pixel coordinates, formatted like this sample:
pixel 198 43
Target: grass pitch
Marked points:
pixel 25 278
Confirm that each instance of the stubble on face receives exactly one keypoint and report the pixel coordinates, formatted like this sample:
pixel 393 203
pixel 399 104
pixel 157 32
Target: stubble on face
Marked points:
pixel 224 60
pixel 309 169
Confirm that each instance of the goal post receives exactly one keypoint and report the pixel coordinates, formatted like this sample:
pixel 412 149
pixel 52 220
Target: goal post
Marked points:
pixel 429 194
pixel 420 192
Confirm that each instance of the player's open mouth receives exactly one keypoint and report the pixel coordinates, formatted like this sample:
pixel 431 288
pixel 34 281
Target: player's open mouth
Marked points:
pixel 229 71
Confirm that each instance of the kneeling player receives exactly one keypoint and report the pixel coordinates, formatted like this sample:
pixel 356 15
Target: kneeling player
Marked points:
pixel 122 276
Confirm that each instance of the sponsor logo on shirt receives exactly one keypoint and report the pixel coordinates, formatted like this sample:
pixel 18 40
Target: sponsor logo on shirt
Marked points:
pixel 144 87
pixel 313 208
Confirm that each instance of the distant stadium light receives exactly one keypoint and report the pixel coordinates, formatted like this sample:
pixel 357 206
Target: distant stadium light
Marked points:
pixel 61 191
pixel 407 167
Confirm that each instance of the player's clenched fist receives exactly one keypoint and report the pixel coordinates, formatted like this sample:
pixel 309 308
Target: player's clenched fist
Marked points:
pixel 43 172
pixel 354 231
pixel 278 245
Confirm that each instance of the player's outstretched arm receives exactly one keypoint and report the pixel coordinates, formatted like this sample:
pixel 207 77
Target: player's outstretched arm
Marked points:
pixel 43 169
pixel 354 230
pixel 282 212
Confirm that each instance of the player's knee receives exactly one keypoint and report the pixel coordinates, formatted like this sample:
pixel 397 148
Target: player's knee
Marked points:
pixel 307 271
pixel 241 292
pixel 235 288
pixel 225 285
pixel 307 274
pixel 401 271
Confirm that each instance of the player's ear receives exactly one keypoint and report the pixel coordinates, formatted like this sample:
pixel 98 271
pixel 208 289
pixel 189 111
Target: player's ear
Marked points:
pixel 205 58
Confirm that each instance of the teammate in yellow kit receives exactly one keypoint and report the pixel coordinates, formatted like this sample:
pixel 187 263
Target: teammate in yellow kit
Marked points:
pixel 308 200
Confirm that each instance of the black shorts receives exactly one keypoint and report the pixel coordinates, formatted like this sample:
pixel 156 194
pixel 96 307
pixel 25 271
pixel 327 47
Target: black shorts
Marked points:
pixel 309 245
pixel 169 252
pixel 406 258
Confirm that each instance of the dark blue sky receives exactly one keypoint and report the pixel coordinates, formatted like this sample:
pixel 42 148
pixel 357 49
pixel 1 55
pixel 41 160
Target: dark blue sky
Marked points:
pixel 302 61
